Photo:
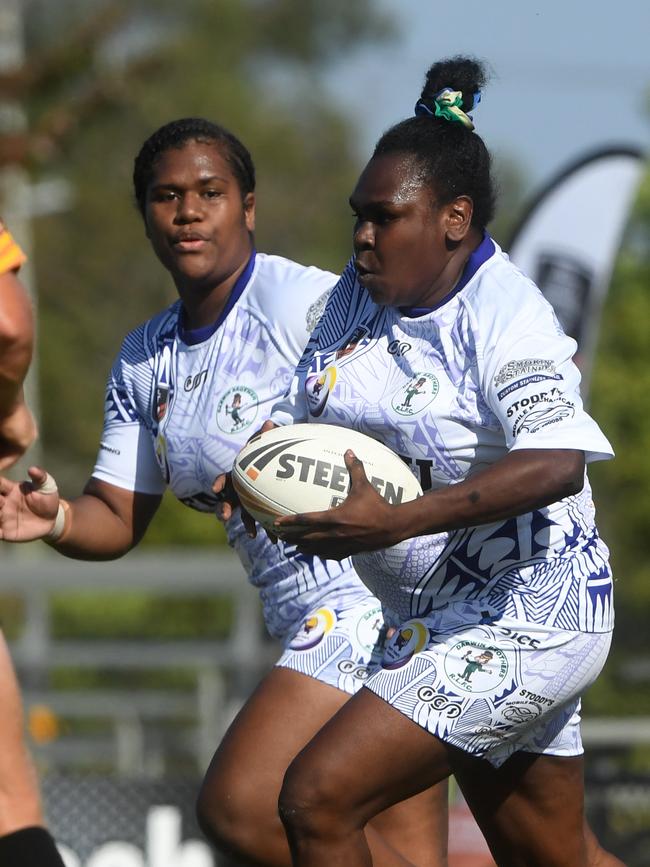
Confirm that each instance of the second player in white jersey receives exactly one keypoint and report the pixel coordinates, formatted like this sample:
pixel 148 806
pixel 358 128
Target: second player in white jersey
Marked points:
pixel 182 402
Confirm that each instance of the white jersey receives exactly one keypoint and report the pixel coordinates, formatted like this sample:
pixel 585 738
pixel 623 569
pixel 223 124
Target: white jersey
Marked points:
pixel 180 404
pixel 452 389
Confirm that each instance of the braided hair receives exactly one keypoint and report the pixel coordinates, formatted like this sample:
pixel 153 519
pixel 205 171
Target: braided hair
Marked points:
pixel 175 135
pixel 453 159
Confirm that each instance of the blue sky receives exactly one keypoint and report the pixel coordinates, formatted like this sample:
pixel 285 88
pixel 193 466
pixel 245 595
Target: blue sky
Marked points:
pixel 568 77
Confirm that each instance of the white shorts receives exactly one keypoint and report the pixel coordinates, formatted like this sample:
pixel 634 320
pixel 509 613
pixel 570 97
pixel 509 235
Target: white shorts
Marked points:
pixel 338 644
pixel 491 686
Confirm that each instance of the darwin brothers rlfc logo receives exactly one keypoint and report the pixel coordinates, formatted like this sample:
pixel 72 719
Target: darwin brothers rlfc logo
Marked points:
pixel 237 409
pixel 416 395
pixel 475 667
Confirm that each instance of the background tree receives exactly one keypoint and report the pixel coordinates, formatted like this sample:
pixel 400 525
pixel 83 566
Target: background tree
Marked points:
pixel 100 78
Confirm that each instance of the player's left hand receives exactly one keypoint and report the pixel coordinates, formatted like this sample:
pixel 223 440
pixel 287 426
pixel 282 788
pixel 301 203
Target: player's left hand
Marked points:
pixel 363 522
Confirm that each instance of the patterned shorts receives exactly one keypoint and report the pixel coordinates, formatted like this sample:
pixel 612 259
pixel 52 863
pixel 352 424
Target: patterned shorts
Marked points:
pixel 491 686
pixel 338 644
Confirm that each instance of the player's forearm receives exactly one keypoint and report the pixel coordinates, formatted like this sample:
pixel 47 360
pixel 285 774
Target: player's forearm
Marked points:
pixel 93 531
pixel 519 483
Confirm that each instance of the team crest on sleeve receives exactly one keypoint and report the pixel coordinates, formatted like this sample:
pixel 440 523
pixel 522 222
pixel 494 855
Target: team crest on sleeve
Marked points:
pixel 237 409
pixel 314 628
pixel 416 395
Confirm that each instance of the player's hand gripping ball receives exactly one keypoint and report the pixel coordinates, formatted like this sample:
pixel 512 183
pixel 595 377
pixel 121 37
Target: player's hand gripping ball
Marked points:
pixel 300 468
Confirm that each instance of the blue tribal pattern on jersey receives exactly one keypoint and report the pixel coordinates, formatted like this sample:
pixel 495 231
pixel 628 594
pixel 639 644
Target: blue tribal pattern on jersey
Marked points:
pixel 451 390
pixel 180 405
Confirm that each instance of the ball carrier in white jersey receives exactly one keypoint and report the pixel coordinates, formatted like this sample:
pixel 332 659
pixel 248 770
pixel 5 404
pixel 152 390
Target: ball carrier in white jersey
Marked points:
pixel 189 387
pixel 496 579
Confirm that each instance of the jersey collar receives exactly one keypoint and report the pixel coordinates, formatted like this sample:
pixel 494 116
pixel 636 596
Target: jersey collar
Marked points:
pixel 192 336
pixel 477 258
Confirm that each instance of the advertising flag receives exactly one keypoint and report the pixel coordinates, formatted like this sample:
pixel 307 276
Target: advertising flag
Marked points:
pixel 569 237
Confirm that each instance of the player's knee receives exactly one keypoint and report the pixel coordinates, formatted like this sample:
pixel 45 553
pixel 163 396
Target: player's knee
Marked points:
pixel 220 817
pixel 307 805
pixel 231 823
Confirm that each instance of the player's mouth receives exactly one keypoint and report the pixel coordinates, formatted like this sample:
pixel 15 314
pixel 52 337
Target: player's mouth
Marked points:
pixel 366 276
pixel 189 242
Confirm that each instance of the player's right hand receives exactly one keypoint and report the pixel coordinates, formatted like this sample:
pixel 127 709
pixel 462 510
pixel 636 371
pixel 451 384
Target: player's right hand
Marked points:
pixel 28 509
pixel 229 500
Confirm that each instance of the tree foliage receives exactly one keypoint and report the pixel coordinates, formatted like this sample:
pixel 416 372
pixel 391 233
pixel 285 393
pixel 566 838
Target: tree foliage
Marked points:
pixel 620 389
pixel 100 78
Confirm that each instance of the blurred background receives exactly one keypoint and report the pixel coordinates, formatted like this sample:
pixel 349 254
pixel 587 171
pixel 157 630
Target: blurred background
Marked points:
pixel 132 670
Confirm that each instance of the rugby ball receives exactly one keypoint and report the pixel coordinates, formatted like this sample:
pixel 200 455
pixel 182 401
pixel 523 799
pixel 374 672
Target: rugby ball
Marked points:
pixel 300 468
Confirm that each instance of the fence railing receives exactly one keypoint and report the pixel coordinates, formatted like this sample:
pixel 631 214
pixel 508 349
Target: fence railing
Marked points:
pixel 136 731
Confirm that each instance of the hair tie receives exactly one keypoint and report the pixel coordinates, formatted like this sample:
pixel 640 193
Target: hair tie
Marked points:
pixel 448 106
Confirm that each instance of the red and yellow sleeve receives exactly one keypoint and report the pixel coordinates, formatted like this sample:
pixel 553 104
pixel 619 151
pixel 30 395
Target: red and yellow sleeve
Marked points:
pixel 11 256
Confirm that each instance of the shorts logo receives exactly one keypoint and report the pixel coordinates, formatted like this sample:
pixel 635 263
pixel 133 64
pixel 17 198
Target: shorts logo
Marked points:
pixel 475 667
pixel 416 395
pixel 314 628
pixel 237 409
pixel 410 639
pixel 439 702
pixel 521 713
pixel 370 629
pixel 318 388
pixel 359 672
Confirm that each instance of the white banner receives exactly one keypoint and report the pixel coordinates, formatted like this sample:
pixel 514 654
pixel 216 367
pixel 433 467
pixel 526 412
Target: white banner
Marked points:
pixel 569 237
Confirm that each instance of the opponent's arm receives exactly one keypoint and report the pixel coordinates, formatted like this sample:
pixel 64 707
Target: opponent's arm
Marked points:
pixel 17 426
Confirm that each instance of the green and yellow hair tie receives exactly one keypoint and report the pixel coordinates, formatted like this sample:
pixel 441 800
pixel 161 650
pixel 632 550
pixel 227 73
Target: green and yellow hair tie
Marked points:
pixel 448 106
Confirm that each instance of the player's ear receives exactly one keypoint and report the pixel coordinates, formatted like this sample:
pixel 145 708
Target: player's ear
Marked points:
pixel 249 211
pixel 458 218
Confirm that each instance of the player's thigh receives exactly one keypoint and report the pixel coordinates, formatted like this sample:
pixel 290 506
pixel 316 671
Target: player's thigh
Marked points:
pixel 530 809
pixel 279 718
pixel 19 796
pixel 368 757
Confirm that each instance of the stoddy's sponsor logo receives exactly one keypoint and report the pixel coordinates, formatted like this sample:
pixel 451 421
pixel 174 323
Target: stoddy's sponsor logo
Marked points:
pixel 531 399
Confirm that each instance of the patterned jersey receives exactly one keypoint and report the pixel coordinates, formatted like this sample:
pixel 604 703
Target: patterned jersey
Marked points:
pixel 452 389
pixel 180 404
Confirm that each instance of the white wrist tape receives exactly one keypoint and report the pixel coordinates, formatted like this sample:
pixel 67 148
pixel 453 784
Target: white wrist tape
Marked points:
pixel 49 486
pixel 59 525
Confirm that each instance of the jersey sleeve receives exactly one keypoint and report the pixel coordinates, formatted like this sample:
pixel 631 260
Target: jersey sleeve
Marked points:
pixel 126 456
pixel 530 380
pixel 293 408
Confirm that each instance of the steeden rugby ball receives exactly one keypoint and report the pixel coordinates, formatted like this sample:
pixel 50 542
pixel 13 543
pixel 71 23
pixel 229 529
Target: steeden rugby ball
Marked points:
pixel 300 468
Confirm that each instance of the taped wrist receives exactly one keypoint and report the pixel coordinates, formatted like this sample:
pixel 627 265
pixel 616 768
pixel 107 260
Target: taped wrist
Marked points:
pixel 49 486
pixel 11 256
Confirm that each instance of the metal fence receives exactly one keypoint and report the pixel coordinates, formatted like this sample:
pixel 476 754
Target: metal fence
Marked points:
pixel 135 731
